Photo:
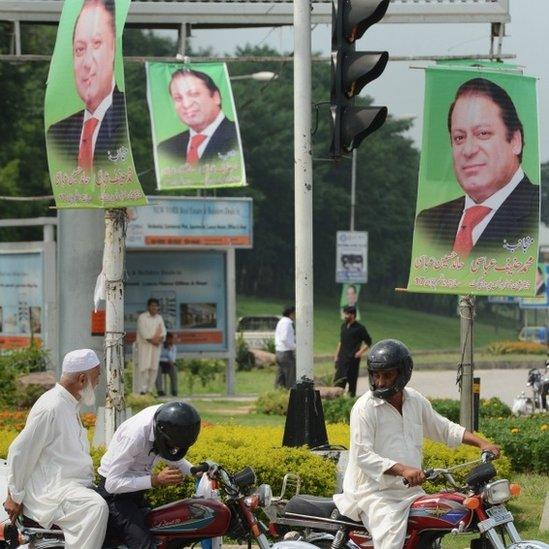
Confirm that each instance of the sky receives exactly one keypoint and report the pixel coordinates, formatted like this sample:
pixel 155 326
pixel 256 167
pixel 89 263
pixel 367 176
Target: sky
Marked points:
pixel 400 87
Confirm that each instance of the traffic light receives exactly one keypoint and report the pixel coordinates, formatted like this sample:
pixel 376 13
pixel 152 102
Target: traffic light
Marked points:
pixel 352 70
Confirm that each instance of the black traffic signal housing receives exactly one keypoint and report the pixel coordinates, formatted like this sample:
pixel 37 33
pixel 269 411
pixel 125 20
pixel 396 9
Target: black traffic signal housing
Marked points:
pixel 351 71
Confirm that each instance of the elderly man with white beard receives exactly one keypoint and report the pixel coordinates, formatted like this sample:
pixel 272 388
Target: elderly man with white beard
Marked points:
pixel 50 471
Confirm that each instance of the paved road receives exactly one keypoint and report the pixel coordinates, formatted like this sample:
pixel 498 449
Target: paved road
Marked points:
pixel 505 384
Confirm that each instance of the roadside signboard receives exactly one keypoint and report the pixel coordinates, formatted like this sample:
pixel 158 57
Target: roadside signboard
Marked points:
pixel 352 257
pixel 191 222
pixel 21 299
pixel 191 289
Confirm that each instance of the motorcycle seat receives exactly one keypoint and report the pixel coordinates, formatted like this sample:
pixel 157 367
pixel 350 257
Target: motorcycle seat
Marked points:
pixel 29 523
pixel 315 506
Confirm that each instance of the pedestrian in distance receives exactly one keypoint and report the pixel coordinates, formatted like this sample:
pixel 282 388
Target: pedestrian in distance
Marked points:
pixel 150 335
pixel 168 367
pixel 353 343
pixel 285 349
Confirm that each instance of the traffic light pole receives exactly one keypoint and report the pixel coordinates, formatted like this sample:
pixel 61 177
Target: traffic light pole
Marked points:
pixel 353 191
pixel 305 419
pixel 303 190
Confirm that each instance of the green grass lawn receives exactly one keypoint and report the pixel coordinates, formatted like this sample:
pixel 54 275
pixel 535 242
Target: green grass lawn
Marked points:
pixel 418 330
pixel 249 383
pixel 234 413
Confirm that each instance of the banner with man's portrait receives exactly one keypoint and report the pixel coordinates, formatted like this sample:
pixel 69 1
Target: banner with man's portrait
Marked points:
pixel 477 213
pixel 88 146
pixel 195 131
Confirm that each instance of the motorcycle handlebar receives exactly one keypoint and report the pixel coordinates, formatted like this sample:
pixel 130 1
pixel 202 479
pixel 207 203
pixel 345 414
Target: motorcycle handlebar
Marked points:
pixel 201 468
pixel 432 474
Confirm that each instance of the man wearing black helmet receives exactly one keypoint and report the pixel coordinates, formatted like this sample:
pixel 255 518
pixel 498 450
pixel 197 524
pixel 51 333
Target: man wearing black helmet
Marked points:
pixel 164 432
pixel 388 424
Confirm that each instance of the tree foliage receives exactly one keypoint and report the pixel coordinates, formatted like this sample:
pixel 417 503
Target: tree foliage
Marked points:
pixel 386 174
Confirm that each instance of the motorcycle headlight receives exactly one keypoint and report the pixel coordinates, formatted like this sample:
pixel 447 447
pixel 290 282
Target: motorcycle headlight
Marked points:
pixel 497 492
pixel 265 494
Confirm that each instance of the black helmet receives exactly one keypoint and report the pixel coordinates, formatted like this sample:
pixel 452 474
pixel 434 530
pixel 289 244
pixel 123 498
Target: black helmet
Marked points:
pixel 389 354
pixel 176 426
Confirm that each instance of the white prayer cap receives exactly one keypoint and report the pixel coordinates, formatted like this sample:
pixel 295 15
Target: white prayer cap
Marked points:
pixel 80 360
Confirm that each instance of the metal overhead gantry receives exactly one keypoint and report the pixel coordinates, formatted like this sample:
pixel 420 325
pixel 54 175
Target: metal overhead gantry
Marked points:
pixel 179 14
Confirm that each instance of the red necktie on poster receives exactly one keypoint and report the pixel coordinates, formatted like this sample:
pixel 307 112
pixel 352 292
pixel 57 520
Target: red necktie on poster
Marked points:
pixel 192 153
pixel 463 243
pixel 85 155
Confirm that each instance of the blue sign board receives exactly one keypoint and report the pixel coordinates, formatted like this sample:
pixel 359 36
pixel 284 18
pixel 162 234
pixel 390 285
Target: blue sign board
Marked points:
pixel 191 289
pixel 191 222
pixel 21 297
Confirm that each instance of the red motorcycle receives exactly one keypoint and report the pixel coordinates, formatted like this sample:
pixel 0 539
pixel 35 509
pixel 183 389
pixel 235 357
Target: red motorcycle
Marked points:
pixel 181 523
pixel 476 507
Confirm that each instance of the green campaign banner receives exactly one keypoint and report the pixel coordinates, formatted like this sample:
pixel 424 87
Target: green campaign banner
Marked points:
pixel 477 213
pixel 349 298
pixel 88 146
pixel 195 131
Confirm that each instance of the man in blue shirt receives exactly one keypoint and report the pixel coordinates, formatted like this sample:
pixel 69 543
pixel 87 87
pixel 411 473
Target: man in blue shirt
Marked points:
pixel 168 355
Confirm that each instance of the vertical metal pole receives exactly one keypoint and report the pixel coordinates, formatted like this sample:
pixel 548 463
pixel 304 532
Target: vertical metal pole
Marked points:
pixel 353 191
pixel 305 418
pixel 51 323
pixel 17 37
pixel 231 318
pixel 115 232
pixel 49 233
pixel 303 190
pixel 80 243
pixel 183 34
pixel 466 313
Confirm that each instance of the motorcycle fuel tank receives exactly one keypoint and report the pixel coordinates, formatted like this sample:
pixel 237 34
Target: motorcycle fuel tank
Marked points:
pixel 190 518
pixel 442 511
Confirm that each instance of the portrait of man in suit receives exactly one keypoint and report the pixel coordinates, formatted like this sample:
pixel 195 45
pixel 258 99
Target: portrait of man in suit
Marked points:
pixel 96 135
pixel 500 206
pixel 210 136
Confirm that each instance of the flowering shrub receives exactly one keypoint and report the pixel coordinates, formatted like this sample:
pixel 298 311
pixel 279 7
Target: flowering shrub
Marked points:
pixel 524 440
pixel 273 402
pixel 516 347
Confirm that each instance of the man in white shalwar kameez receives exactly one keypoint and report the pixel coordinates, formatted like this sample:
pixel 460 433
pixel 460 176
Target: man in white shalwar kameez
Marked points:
pixel 50 471
pixel 151 332
pixel 388 424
